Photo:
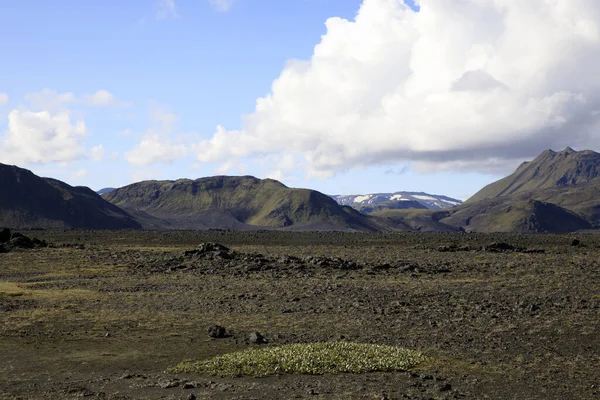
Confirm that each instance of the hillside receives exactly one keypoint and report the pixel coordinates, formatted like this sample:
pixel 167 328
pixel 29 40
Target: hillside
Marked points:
pixel 234 203
pixel 548 170
pixel 29 201
pixel 556 192
pixel 508 214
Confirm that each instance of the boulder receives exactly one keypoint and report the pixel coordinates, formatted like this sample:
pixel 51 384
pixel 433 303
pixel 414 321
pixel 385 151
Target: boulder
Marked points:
pixel 256 338
pixel 216 331
pixel 4 235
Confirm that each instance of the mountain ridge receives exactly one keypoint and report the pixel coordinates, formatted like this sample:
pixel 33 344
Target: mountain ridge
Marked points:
pixel 549 169
pixel 36 202
pixel 242 202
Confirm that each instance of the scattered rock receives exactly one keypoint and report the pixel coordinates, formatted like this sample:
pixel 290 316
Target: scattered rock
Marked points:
pixel 4 235
pixel 19 241
pixel 168 384
pixel 498 247
pixel 206 247
pixel 256 338
pixel 576 243
pixel 211 251
pixel 191 396
pixel 216 331
pixel 453 248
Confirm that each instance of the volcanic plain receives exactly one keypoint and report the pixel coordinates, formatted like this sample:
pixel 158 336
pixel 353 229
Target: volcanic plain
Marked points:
pixel 107 314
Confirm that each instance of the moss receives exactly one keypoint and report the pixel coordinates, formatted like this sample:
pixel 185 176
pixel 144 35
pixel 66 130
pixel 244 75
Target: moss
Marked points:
pixel 312 358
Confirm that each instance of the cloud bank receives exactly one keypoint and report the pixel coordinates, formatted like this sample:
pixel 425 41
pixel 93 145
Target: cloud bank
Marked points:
pixel 460 85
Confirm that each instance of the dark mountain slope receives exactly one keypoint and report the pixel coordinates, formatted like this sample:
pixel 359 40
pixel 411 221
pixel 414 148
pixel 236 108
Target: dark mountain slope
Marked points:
pixel 29 201
pixel 236 203
pixel 556 192
pixel 548 170
pixel 511 214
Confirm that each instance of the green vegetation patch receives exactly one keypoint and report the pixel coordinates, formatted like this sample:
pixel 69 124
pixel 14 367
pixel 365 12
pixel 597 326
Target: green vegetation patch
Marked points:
pixel 312 359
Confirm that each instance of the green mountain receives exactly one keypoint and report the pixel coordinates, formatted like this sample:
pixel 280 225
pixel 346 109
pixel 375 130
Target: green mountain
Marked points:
pixel 29 201
pixel 511 214
pixel 556 192
pixel 421 220
pixel 231 202
pixel 548 170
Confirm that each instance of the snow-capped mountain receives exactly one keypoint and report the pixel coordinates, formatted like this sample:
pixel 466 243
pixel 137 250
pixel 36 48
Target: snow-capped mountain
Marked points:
pixel 105 190
pixel 430 201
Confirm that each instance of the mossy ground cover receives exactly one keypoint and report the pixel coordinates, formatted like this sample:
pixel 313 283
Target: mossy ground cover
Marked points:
pixel 308 358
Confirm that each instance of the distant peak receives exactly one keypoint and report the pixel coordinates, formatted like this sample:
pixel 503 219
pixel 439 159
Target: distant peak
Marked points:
pixel 568 150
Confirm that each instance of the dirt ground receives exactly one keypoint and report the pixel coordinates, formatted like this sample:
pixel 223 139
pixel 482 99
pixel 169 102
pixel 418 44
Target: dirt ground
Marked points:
pixel 105 314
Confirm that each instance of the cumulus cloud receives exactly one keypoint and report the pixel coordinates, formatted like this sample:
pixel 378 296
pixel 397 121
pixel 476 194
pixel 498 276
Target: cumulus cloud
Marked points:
pixel 48 99
pixel 221 5
pixel 166 9
pixel 102 98
pixel 155 150
pixel 97 153
pixel 157 145
pixel 3 99
pixel 42 137
pixel 462 85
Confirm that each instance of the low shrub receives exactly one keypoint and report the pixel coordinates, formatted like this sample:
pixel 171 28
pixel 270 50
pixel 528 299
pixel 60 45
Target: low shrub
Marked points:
pixel 311 358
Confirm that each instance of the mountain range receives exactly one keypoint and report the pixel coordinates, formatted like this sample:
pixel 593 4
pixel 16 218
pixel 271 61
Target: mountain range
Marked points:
pixel 369 203
pixel 555 192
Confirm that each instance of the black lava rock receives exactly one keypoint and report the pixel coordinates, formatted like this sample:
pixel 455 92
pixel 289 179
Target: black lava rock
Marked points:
pixel 4 235
pixel 216 331
pixel 256 338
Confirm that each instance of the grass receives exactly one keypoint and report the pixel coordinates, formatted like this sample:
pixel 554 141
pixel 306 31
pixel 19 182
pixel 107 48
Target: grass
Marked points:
pixel 311 359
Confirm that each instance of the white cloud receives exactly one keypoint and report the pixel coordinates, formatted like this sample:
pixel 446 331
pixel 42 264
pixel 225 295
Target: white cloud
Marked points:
pixel 3 99
pixel 458 85
pixel 97 153
pixel 280 176
pixel 42 137
pixel 221 5
pixel 48 99
pixel 157 145
pixel 80 173
pixel 153 149
pixel 102 98
pixel 166 9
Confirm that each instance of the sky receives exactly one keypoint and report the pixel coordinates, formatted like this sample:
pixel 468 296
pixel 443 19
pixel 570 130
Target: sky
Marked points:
pixel 341 96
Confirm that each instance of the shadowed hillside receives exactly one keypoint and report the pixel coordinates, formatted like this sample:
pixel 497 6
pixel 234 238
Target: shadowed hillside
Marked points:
pixel 28 201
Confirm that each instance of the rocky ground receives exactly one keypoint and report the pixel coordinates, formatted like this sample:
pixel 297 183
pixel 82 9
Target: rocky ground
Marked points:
pixel 105 314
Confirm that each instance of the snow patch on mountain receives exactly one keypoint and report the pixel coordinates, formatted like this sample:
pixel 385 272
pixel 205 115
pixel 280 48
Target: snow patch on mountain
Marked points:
pixel 431 201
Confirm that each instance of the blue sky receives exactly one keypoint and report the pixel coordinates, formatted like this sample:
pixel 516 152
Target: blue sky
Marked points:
pixel 104 93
